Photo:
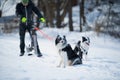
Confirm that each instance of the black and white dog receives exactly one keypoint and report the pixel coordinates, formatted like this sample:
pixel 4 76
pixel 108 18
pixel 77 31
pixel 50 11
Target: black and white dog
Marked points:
pixel 67 54
pixel 82 47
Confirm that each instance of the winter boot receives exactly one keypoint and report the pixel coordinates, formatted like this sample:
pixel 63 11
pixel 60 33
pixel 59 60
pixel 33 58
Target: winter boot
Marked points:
pixel 22 53
pixel 39 53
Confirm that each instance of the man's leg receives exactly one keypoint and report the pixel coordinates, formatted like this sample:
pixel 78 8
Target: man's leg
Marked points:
pixel 39 53
pixel 32 41
pixel 38 50
pixel 22 40
pixel 30 33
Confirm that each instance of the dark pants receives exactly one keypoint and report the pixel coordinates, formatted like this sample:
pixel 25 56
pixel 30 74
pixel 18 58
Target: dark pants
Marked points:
pixel 22 31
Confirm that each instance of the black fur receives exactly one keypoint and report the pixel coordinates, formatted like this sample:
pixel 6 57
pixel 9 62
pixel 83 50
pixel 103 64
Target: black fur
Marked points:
pixel 70 52
pixel 78 49
pixel 58 39
pixel 85 39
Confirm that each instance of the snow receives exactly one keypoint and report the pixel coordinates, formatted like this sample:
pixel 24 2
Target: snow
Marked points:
pixel 103 61
pixel 10 11
pixel 9 8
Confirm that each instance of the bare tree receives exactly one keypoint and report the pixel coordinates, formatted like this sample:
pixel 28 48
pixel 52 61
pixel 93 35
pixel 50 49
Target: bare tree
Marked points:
pixel 70 15
pixel 58 17
pixel 54 10
pixel 49 11
pixel 82 15
pixel 61 10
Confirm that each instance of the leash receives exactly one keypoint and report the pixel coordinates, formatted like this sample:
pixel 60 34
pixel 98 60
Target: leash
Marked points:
pixel 44 34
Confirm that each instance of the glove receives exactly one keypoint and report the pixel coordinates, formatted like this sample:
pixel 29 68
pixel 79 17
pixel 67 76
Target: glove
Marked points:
pixel 42 20
pixel 24 19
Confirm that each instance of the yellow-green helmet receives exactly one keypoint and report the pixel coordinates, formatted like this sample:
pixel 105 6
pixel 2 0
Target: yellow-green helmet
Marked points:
pixel 25 1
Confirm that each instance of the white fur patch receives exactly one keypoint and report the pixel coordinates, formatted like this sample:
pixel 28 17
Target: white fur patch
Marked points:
pixel 64 58
pixel 85 46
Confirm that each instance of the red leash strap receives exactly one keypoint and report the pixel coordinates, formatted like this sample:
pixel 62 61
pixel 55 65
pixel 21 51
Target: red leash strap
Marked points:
pixel 45 35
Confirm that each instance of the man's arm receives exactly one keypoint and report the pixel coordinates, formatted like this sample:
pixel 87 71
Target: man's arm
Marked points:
pixel 35 9
pixel 18 12
pixel 40 17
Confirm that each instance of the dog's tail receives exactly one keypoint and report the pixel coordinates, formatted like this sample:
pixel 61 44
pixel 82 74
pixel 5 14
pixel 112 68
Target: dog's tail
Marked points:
pixel 77 61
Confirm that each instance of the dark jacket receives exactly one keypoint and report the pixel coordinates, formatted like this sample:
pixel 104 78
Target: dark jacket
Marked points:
pixel 27 12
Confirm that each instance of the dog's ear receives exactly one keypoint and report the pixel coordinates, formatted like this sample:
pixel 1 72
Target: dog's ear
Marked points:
pixel 64 36
pixel 79 42
pixel 56 40
pixel 58 36
pixel 84 39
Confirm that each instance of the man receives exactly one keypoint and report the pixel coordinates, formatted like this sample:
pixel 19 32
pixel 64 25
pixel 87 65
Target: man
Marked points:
pixel 25 10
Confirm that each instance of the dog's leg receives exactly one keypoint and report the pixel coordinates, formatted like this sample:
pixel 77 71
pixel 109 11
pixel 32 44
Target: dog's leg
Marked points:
pixel 60 63
pixel 86 56
pixel 69 62
pixel 61 59
pixel 65 59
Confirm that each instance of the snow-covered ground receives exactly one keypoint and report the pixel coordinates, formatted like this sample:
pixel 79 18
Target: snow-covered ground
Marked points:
pixel 103 58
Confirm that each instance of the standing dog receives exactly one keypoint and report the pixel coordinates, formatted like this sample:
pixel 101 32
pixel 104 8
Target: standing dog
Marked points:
pixel 82 47
pixel 68 56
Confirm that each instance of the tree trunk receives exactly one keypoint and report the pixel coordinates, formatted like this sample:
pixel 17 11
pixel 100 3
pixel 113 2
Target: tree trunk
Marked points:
pixel 49 12
pixel 0 13
pixel 70 15
pixel 54 10
pixel 82 16
pixel 58 17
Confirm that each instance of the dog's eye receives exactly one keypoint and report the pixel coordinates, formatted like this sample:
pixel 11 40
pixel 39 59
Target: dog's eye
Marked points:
pixel 60 38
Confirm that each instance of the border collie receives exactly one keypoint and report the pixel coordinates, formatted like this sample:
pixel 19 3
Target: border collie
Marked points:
pixel 67 54
pixel 82 47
